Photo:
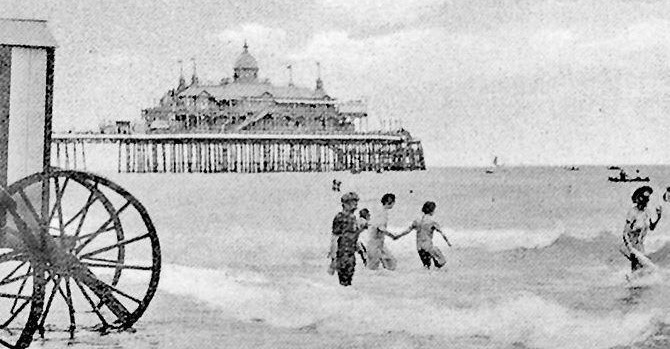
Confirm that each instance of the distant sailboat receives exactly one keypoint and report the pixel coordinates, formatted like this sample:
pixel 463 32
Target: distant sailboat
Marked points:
pixel 495 165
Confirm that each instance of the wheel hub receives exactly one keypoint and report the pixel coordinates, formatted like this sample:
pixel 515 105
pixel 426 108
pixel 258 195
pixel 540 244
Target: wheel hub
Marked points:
pixel 66 243
pixel 57 256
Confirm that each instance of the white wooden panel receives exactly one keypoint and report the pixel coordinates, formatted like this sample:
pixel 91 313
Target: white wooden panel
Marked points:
pixel 25 32
pixel 26 112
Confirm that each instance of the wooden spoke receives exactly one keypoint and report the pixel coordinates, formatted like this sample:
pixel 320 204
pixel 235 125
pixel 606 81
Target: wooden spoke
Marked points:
pixel 126 295
pixel 28 240
pixel 16 278
pixel 101 229
pixel 70 307
pixel 92 304
pixel 10 256
pixel 139 302
pixel 12 295
pixel 3 281
pixel 15 314
pixel 89 202
pixel 60 219
pixel 23 284
pixel 84 213
pixel 103 292
pixel 59 197
pixel 31 208
pixel 118 244
pixel 96 233
pixel 116 265
pixel 6 344
pixel 62 294
pixel 45 312
pixel 97 259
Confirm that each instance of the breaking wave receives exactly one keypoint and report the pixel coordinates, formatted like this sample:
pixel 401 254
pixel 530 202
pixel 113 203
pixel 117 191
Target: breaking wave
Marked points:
pixel 297 302
pixel 604 245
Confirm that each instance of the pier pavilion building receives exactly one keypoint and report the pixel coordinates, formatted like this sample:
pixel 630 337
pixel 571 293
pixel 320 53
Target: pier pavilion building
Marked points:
pixel 246 124
pixel 247 103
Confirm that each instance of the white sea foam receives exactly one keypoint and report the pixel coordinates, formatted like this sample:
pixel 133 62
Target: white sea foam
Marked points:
pixel 501 239
pixel 497 240
pixel 655 241
pixel 624 278
pixel 525 319
pixel 243 295
pixel 297 302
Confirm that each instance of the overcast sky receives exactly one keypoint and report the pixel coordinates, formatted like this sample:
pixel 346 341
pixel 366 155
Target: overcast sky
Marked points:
pixel 533 82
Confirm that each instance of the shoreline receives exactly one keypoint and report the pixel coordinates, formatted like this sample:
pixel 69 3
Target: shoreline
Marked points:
pixel 174 321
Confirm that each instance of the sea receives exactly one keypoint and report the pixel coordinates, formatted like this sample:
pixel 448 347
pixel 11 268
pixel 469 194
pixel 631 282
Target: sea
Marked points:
pixel 535 261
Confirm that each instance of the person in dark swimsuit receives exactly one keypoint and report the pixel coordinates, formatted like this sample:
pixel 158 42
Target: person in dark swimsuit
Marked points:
pixel 638 224
pixel 424 227
pixel 344 241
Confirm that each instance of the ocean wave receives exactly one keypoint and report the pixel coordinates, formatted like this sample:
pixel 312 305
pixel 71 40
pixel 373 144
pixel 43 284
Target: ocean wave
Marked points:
pixel 604 246
pixel 242 294
pixel 527 319
pixel 607 246
pixel 296 302
pixel 504 239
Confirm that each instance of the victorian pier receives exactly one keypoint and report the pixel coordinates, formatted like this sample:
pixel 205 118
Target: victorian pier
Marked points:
pixel 246 124
pixel 243 153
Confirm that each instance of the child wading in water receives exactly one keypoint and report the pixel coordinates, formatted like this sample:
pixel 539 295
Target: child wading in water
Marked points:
pixel 363 222
pixel 424 227
pixel 361 225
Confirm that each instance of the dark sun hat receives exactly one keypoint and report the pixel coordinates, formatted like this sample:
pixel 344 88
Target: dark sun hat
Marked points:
pixel 645 191
pixel 350 196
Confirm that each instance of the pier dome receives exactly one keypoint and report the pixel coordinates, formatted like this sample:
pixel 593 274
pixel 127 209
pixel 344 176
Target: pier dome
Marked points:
pixel 246 67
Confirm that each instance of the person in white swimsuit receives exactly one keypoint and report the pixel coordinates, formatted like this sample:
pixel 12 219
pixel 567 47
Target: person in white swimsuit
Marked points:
pixel 377 252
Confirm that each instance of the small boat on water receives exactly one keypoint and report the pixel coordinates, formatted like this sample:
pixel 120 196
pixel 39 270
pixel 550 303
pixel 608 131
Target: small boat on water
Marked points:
pixel 614 168
pixel 623 177
pixel 495 166
pixel 636 179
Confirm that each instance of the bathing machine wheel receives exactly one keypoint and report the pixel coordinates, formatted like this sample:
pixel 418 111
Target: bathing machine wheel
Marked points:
pixel 96 249
pixel 21 289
